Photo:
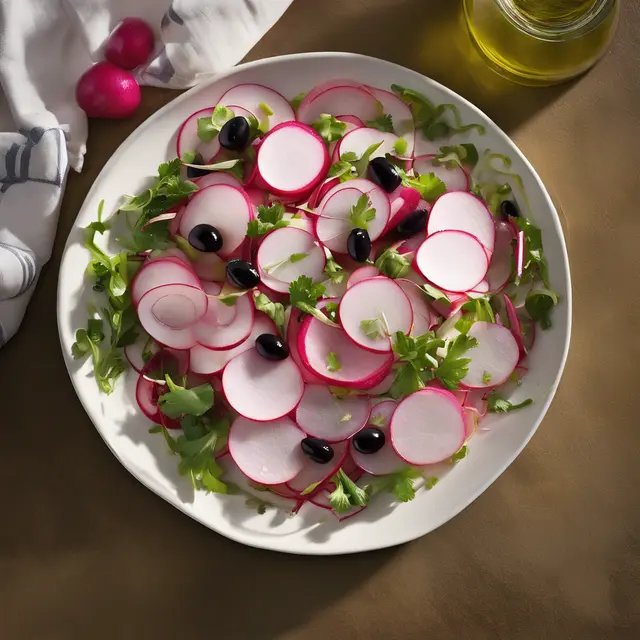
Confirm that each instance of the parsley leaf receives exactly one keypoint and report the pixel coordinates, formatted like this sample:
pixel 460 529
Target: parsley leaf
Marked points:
pixel 347 494
pixel 304 294
pixel 534 259
pixel 454 367
pixel 400 483
pixel 458 155
pixel 293 258
pixel 269 218
pixel 331 309
pixel 486 377
pixel 392 264
pixel 362 213
pixel 428 184
pixel 329 129
pixel 275 310
pixel 209 127
pixel 333 364
pixel 383 123
pixel 341 169
pixel 335 272
pixel 296 257
pixel 417 358
pixel 179 401
pixel 497 404
pixel 435 294
pixel 539 303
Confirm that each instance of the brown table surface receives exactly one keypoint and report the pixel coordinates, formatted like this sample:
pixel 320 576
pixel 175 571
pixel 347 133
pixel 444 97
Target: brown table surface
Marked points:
pixel 551 550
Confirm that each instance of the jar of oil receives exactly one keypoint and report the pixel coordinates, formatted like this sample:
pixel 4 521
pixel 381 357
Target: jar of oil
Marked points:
pixel 541 42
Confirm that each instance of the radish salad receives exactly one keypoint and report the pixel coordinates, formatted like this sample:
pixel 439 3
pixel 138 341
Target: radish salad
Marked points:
pixel 323 296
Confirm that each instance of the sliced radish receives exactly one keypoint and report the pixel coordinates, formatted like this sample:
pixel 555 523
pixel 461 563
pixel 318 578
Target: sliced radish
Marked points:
pixel 147 398
pixel 292 159
pixel 359 140
pixel 188 140
pixel 167 361
pixel 461 211
pixel 315 473
pixel 383 387
pixel 495 357
pixel 212 332
pixel 209 267
pixel 501 266
pixel 352 122
pixel 226 208
pixel 515 325
pixel 293 329
pixel 321 415
pixel 427 427
pixel 136 352
pixel 207 362
pixel 363 273
pixel 360 369
pixel 351 100
pixel 519 253
pixel 377 300
pixel 169 313
pixel 425 147
pixel 406 201
pixel 320 191
pixel 452 260
pixel 454 179
pixel 401 116
pixel 250 96
pixel 470 422
pixel 386 460
pixel 267 452
pixel 218 177
pixel 274 258
pixel 158 272
pixel 424 318
pixel 262 389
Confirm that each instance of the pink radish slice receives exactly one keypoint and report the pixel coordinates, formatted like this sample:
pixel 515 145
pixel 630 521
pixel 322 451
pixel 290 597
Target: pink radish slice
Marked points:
pixel 363 273
pixel 293 329
pixel 257 196
pixel 406 202
pixel 188 140
pixel 501 261
pixel 209 266
pixel 330 84
pixel 355 101
pixel 218 314
pixel 476 401
pixel 425 147
pixel 352 122
pixel 207 362
pixel 383 387
pixel 276 269
pixel 226 208
pixel 520 253
pixel 386 460
pixel 159 272
pixel 359 140
pixel 470 422
pixel 267 452
pixel 423 317
pixel 283 491
pixel 360 369
pixel 174 225
pixel 262 389
pixel 218 177
pixel 135 352
pixel 452 260
pixel 454 179
pixel 321 415
pixel 427 427
pixel 173 253
pixel 460 211
pixel 168 314
pixel 167 361
pixel 210 332
pixel 401 116
pixel 515 325
pixel 292 159
pixel 147 398
pixel 321 499
pixel 249 97
pixel 378 299
pixel 313 472
pixel 495 357
pixel 320 191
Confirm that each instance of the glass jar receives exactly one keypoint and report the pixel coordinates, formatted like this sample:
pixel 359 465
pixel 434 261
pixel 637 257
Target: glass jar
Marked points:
pixel 541 42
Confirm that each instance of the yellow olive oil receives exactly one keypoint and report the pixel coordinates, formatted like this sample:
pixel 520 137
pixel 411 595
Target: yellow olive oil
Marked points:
pixel 541 41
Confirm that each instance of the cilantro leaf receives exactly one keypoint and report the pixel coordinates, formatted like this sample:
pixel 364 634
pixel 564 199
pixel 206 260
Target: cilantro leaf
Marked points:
pixel 347 494
pixel 275 310
pixel 539 303
pixel 341 169
pixel 454 367
pixel 362 163
pixel 329 128
pixel 460 454
pixel 296 257
pixel 362 213
pixel 383 123
pixel 428 184
pixel 534 259
pixel 497 404
pixel 331 309
pixel 401 483
pixel 486 377
pixel 459 155
pixel 293 258
pixel 335 272
pixel 179 401
pixel 435 294
pixel 209 127
pixel 416 360
pixel 333 364
pixel 304 294
pixel 392 264
pixel 269 218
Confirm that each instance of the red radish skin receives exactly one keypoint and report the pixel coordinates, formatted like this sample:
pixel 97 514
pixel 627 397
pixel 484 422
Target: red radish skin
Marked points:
pixel 461 211
pixel 189 142
pixel 261 389
pixel 321 415
pixel 209 332
pixel 361 369
pixel 352 121
pixel 515 325
pixel 494 359
pixel 314 472
pixel 320 191
pixel 330 84
pixel 131 44
pixel 267 452
pixel 351 100
pixel 249 97
pixel 383 387
pixel 147 398
pixel 292 159
pixel 501 268
pixel 407 201
pixel 427 427
pixel 159 272
pixel 106 91
pixel 401 116
pixel 293 329
pixel 454 179
pixel 452 260
pixel 218 177
pixel 376 298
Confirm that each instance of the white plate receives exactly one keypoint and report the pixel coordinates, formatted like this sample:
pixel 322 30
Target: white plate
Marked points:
pixel 124 428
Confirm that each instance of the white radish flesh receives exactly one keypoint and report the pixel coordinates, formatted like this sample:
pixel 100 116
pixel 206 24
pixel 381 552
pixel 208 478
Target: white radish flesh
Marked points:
pixel 385 460
pixel 332 227
pixel 315 473
pixel 501 261
pixel 168 314
pixel 401 117
pixel 495 357
pixel 262 389
pixel 189 142
pixel 363 273
pixel 359 140
pixel 207 362
pixel 291 160
pixel 138 352
pixel 212 333
pixel 423 316
pixel 273 259
pixel 427 427
pixel 381 301
pixel 321 415
pixel 407 201
pixel 224 207
pixel 159 272
pixel 209 266
pixel 267 452
pixel 355 101
pixel 250 96
pixel 460 211
pixel 454 179
pixel 452 260
pixel 218 177
pixel 351 121
pixel 360 369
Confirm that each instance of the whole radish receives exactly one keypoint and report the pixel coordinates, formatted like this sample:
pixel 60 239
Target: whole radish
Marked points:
pixel 131 44
pixel 106 91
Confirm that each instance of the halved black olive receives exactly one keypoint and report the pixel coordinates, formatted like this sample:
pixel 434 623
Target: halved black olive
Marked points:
pixel 384 174
pixel 272 347
pixel 205 237
pixel 317 450
pixel 235 134
pixel 369 440
pixel 359 245
pixel 242 274
pixel 413 223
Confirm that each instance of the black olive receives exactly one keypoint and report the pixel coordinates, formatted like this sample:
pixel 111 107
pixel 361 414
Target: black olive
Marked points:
pixel 235 134
pixel 509 209
pixel 359 245
pixel 369 440
pixel 271 347
pixel 317 450
pixel 205 237
pixel 192 172
pixel 384 174
pixel 242 274
pixel 413 223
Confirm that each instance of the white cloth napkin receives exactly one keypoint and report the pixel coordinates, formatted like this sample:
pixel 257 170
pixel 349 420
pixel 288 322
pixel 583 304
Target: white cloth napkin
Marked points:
pixel 45 46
